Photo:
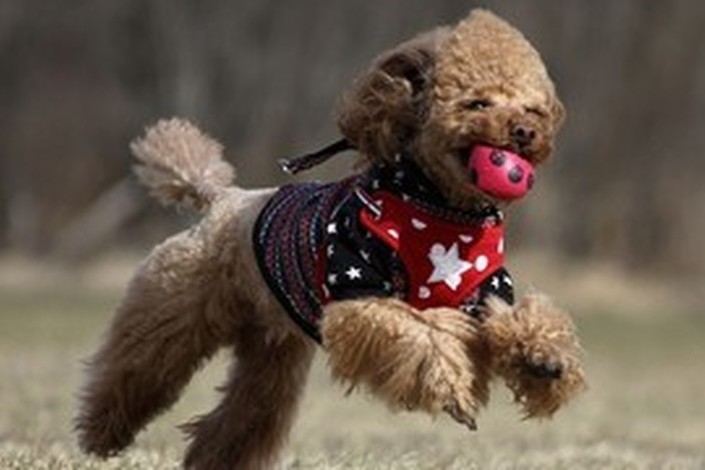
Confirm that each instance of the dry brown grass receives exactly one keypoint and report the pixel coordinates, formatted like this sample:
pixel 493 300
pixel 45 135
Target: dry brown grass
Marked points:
pixel 645 407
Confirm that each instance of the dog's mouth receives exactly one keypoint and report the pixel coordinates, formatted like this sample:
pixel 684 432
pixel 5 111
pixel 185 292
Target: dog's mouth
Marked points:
pixel 498 172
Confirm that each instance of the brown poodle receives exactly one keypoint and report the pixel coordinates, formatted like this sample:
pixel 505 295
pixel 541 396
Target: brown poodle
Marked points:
pixel 396 271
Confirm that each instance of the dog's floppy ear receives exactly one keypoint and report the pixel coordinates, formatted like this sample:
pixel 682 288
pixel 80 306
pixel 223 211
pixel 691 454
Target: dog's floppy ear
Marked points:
pixel 379 115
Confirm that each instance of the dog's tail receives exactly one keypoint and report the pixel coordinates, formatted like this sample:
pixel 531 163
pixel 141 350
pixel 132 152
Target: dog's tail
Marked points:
pixel 181 165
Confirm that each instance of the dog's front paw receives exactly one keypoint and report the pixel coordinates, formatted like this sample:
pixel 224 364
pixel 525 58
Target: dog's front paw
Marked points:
pixel 543 366
pixel 533 347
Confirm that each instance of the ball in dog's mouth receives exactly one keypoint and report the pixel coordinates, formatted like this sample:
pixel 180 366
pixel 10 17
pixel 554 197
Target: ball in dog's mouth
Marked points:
pixel 500 173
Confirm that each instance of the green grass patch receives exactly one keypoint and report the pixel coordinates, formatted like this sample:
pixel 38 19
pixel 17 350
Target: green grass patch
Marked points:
pixel 644 408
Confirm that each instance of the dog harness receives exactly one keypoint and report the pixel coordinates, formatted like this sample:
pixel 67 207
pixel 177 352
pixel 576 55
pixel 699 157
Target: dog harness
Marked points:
pixel 385 233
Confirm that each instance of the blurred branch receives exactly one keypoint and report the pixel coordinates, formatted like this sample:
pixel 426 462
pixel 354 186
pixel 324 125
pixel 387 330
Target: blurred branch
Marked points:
pixel 93 229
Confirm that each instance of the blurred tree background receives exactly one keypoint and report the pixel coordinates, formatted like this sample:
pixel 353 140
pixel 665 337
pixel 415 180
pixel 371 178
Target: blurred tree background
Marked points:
pixel 80 79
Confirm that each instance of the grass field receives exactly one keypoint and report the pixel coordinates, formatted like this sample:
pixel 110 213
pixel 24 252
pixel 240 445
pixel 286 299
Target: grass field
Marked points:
pixel 645 407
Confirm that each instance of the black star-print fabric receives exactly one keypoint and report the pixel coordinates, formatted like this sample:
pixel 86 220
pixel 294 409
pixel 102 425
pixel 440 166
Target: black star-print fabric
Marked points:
pixel 357 264
pixel 499 284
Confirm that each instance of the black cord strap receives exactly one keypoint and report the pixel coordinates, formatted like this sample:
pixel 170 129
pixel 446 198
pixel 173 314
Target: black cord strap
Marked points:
pixel 304 162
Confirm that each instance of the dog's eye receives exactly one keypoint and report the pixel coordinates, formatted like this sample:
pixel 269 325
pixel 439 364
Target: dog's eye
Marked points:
pixel 476 105
pixel 536 112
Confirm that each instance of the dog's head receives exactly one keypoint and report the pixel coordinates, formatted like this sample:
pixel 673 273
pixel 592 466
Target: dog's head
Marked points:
pixel 442 94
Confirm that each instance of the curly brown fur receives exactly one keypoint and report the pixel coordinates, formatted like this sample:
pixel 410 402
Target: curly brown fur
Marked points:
pixel 411 359
pixel 182 165
pixel 437 96
pixel 202 290
pixel 253 420
pixel 196 292
pixel 434 98
pixel 158 338
pixel 387 104
pixel 533 347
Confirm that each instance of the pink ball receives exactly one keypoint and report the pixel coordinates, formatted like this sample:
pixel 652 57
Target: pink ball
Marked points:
pixel 500 173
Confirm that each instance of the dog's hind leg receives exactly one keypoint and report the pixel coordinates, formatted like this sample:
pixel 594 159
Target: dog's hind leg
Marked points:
pixel 247 430
pixel 160 334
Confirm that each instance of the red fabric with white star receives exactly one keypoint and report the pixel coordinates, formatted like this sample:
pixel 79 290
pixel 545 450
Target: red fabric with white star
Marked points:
pixel 445 262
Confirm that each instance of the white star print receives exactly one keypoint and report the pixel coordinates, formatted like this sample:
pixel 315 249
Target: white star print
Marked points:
pixel 332 228
pixel 495 282
pixel 353 273
pixel 332 279
pixel 447 265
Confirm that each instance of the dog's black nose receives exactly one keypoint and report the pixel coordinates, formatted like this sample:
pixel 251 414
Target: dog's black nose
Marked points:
pixel 523 135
